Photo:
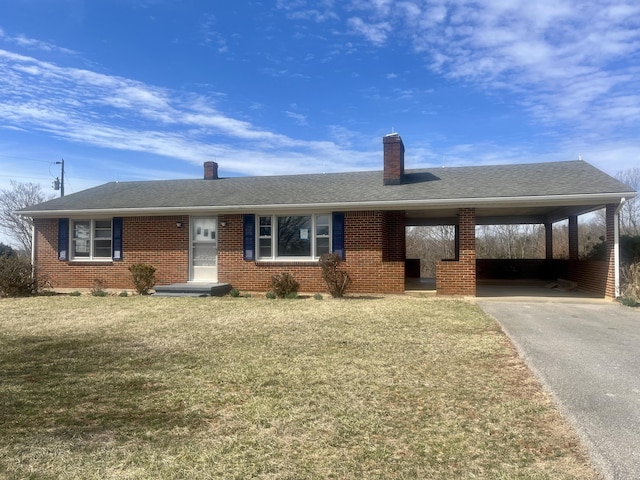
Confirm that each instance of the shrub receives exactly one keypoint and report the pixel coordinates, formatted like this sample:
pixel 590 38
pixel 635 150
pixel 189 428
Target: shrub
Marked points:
pixel 628 301
pixel 284 285
pixel 16 277
pixel 123 293
pixel 75 293
pixel 318 296
pixel 143 276
pixel 97 290
pixel 270 295
pixel 234 292
pixel 631 281
pixel 337 280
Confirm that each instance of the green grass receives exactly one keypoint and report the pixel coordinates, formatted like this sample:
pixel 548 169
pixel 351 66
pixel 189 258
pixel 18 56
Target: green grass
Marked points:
pixel 388 388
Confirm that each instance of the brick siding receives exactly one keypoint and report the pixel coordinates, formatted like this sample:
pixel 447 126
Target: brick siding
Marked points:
pixel 154 240
pixel 374 256
pixel 374 249
pixel 598 277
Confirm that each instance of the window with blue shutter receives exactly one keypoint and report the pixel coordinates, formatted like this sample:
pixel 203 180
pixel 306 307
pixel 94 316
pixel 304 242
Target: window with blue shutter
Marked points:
pixel 337 234
pixel 63 239
pixel 117 239
pixel 249 231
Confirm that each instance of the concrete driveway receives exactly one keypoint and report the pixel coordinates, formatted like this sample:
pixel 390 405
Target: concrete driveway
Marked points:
pixel 587 354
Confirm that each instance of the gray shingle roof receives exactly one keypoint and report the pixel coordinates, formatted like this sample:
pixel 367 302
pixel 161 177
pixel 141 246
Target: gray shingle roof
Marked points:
pixel 573 178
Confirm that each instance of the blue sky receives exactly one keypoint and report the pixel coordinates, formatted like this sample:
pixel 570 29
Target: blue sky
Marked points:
pixel 150 89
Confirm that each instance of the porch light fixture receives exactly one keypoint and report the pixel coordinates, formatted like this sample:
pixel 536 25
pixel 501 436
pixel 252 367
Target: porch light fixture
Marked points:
pixel 223 224
pixel 178 224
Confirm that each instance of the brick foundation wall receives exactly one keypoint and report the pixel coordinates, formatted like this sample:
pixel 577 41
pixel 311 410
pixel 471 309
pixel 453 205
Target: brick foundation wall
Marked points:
pixel 374 256
pixel 154 240
pixel 458 277
pixel 590 275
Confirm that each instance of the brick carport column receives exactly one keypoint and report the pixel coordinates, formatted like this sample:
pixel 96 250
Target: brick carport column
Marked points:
pixel 467 250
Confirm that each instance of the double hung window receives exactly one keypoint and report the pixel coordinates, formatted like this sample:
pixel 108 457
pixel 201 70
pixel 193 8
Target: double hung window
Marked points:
pixel 91 239
pixel 293 236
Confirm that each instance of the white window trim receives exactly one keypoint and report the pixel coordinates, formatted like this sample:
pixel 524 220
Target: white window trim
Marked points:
pixel 314 257
pixel 92 238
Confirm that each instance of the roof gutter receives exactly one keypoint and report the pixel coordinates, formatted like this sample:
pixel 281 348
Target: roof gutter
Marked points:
pixel 543 200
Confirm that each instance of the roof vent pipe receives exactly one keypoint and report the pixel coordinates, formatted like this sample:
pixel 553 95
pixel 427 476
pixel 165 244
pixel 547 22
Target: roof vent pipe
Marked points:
pixel 210 171
pixel 393 159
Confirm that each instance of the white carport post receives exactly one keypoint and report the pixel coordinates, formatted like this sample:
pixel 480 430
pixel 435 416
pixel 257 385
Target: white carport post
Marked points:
pixel 616 246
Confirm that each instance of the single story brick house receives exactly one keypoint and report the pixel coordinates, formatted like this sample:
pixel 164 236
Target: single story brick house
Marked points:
pixel 243 230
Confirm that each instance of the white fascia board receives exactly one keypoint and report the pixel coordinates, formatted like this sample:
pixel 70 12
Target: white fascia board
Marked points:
pixel 429 204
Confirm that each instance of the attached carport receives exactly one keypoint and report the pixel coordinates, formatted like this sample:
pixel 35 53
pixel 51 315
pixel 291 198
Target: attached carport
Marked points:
pixel 466 275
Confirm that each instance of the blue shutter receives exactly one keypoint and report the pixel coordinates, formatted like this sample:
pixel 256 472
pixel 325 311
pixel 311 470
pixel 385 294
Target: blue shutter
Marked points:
pixel 249 231
pixel 116 244
pixel 63 239
pixel 337 235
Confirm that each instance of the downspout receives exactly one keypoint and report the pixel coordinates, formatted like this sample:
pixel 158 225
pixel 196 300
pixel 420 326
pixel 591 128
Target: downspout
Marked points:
pixel 616 247
pixel 33 249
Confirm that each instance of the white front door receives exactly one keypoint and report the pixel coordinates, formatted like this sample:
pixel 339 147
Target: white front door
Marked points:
pixel 204 249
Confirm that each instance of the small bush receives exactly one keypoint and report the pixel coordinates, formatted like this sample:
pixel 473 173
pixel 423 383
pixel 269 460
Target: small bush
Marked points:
pixel 75 294
pixel 16 277
pixel 291 295
pixel 284 285
pixel 337 280
pixel 234 292
pixel 630 276
pixel 628 301
pixel 270 295
pixel 318 296
pixel 143 276
pixel 123 293
pixel 97 290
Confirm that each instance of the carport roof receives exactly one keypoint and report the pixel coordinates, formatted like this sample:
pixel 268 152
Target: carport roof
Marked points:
pixel 537 191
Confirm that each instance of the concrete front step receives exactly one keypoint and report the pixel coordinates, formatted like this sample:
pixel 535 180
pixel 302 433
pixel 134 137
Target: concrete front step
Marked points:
pixel 192 290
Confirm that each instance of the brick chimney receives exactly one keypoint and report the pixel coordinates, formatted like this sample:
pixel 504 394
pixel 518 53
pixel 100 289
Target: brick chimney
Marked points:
pixel 393 159
pixel 210 171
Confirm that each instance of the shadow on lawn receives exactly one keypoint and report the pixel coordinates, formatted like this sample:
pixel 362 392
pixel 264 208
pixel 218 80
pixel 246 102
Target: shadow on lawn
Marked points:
pixel 87 387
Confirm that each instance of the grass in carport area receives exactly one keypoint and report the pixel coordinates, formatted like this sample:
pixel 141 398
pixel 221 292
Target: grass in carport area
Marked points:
pixel 392 387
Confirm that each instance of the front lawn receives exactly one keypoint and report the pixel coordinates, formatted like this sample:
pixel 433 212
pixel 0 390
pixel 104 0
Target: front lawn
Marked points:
pixel 199 388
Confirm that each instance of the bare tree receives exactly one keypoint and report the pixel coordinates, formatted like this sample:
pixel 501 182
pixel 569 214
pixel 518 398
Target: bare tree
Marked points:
pixel 630 211
pixel 510 241
pixel 430 244
pixel 16 227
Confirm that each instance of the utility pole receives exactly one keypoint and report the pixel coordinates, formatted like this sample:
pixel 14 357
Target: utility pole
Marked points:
pixel 58 183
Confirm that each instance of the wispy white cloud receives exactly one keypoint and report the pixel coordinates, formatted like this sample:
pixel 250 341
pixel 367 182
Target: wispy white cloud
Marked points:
pixel 117 113
pixel 299 118
pixel 210 36
pixel 319 11
pixel 376 33
pixel 33 44
pixel 566 60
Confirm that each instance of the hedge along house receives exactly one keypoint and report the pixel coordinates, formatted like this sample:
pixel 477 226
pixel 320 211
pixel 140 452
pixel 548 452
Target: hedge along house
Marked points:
pixel 243 230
